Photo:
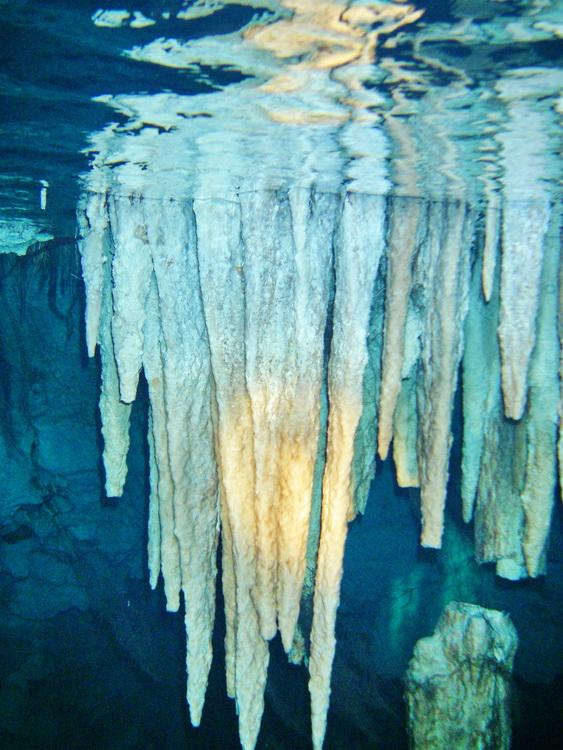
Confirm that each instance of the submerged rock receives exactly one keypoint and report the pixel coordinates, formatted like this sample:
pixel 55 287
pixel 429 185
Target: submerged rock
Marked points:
pixel 458 681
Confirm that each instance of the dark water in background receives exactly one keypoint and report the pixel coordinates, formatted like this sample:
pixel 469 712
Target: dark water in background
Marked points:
pixel 88 657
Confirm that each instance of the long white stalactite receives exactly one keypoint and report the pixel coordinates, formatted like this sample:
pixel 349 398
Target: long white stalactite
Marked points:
pixel 404 222
pixel 186 367
pixel 358 249
pixel 313 224
pixel 288 335
pixel 163 548
pixel 222 268
pixel 525 226
pixel 444 277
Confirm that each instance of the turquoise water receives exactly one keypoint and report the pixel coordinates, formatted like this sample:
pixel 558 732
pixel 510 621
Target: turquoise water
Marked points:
pixel 449 99
pixel 438 101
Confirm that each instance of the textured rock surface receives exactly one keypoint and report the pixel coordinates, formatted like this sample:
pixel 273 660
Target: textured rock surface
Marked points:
pixel 241 332
pixel 458 682
pixel 51 516
pixel 277 243
pixel 86 648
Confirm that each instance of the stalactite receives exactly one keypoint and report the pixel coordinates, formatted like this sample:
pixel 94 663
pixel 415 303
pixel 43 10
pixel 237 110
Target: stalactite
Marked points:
pixel 221 264
pixel 230 599
pixel 525 220
pixel 524 228
pixel 359 246
pixel 405 420
pixel 115 415
pixel 490 251
pixel 499 518
pixel 316 498
pixel 491 449
pixel 96 252
pixel 93 240
pixel 404 222
pixel 313 227
pixel 540 422
pixel 480 384
pixel 298 234
pixel 223 287
pixel 364 464
pixel 405 428
pixel 268 293
pixel 131 273
pixel 283 341
pixel 154 535
pixel 186 368
pixel 514 484
pixel 445 281
pixel 162 488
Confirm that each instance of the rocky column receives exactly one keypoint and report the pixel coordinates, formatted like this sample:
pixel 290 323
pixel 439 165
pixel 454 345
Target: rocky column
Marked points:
pixel 458 681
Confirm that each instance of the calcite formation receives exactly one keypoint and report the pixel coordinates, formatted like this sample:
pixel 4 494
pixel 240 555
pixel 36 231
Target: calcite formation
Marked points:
pixel 285 336
pixel 458 681
pixel 307 225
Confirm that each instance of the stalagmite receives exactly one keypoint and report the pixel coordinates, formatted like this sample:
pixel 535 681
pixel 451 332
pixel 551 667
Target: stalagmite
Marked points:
pixel 458 681
pixel 359 246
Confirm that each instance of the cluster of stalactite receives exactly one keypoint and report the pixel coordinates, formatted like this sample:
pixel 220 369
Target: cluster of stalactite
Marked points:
pixel 288 336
